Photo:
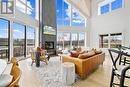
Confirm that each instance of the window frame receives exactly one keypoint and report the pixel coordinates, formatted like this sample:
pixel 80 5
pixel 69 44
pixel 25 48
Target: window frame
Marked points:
pixel 26 8
pixel 62 23
pixel 71 40
pixel 110 6
pixel 24 26
pixel 9 31
pixel 27 28
pixel 116 8
pixel 101 43
pixel 103 7
pixel 109 39
pixel 115 35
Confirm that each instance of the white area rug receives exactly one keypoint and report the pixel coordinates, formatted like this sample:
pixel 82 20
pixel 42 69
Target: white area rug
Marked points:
pixel 50 75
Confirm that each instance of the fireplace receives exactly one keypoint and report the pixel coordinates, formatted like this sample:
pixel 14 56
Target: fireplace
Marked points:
pixel 49 45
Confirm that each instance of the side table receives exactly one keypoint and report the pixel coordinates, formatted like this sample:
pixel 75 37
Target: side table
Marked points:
pixel 68 73
pixel 60 55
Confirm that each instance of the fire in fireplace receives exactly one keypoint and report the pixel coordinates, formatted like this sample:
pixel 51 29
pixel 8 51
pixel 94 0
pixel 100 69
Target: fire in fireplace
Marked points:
pixel 49 45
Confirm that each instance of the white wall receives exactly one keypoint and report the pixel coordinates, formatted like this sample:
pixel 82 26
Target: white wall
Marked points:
pixel 113 22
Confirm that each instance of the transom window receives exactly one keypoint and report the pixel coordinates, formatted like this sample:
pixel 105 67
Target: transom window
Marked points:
pixel 26 6
pixel 116 4
pixel 105 9
pixel 109 5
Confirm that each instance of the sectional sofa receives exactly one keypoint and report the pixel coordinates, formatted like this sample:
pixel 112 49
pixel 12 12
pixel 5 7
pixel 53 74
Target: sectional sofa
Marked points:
pixel 85 66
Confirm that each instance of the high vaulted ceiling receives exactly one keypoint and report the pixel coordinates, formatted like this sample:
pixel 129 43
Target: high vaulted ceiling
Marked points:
pixel 84 6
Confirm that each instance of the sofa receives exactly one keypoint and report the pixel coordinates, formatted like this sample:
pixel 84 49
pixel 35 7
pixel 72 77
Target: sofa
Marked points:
pixel 87 65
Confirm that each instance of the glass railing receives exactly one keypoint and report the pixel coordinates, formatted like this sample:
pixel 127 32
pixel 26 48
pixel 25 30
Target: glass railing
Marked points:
pixel 18 50
pixel 30 49
pixel 4 51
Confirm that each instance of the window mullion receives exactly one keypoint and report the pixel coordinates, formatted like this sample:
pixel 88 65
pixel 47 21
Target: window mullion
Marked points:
pixel 71 15
pixel 110 7
pixel 62 12
pixel 26 6
pixel 109 41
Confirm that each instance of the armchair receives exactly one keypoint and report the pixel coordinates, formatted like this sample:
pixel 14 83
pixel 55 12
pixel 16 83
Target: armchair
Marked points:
pixel 43 56
pixel 40 55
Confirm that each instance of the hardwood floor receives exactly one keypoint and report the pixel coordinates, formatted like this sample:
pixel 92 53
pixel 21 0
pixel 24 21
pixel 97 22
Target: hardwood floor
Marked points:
pixel 99 78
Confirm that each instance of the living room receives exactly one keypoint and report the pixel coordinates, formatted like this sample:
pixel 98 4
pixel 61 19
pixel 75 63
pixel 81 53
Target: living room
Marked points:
pixel 64 43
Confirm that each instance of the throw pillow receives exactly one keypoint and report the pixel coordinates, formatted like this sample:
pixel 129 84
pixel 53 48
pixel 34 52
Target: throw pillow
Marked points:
pixel 74 54
pixel 86 55
pixel 78 49
pixel 98 51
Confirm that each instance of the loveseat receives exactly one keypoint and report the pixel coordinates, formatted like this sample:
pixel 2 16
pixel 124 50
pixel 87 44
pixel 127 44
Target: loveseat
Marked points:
pixel 87 65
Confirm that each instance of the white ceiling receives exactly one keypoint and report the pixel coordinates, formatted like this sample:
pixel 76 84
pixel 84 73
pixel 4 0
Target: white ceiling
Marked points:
pixel 83 6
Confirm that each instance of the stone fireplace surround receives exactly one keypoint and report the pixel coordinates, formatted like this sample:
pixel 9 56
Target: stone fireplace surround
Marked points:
pixel 49 43
pixel 47 17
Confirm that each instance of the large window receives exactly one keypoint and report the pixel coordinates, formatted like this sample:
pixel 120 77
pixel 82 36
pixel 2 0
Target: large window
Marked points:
pixel 30 35
pixel 18 40
pixel 74 38
pixel 59 12
pixel 113 40
pixel 4 34
pixel 26 6
pixel 68 15
pixel 69 40
pixel 22 38
pixel 63 13
pixel 77 19
pixel 110 5
pixel 66 40
pixel 60 41
pixel 81 39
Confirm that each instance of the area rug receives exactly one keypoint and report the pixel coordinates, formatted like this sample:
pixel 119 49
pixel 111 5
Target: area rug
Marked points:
pixel 50 75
